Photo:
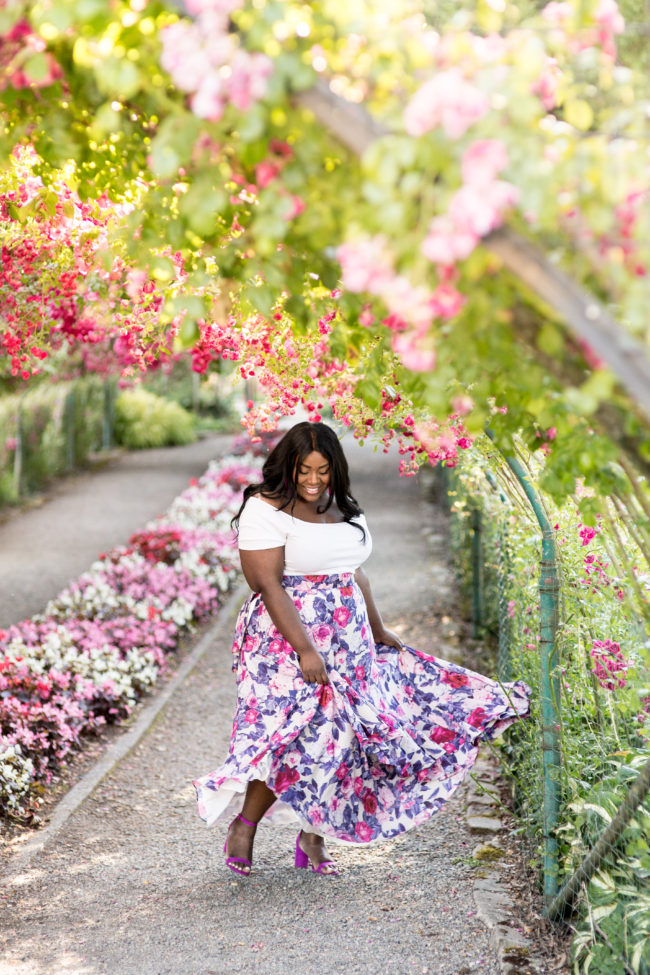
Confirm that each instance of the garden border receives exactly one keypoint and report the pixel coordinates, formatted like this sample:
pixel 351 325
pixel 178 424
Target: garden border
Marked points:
pixel 120 748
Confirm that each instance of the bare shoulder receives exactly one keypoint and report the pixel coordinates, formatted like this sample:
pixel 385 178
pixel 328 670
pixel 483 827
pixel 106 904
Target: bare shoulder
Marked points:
pixel 271 502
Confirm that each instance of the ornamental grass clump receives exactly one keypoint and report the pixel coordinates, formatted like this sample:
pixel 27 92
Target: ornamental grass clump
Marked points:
pixel 145 420
pixel 101 644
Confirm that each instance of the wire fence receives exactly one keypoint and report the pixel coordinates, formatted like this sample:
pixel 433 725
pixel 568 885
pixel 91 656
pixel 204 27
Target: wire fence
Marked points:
pixel 552 594
pixel 52 430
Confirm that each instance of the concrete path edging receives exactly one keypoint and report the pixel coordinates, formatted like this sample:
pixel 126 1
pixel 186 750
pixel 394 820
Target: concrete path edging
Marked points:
pixel 494 904
pixel 122 746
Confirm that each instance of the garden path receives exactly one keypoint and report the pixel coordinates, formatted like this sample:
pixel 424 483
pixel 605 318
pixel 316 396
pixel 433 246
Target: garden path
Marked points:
pixel 43 547
pixel 134 884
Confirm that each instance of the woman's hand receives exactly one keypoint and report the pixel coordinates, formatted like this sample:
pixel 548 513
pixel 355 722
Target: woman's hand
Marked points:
pixel 312 666
pixel 388 638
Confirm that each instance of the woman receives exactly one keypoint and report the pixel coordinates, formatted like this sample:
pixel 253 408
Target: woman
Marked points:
pixel 338 728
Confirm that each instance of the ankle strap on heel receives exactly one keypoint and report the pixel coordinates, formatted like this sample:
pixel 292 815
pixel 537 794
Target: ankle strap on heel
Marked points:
pixel 244 820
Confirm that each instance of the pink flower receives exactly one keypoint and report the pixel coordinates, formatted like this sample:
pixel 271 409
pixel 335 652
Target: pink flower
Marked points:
pixel 363 831
pixel 446 243
pixel 462 404
pixel 251 716
pixel 265 173
pixel 447 301
pixel 365 264
pixel 586 534
pixel 483 160
pixel 248 80
pixel 209 101
pixel 285 778
pixel 547 85
pixel 341 615
pixel 479 209
pixel 440 735
pixel 454 679
pixel 369 802
pixel 322 633
pixel 446 100
pixel 297 206
pixel 315 816
pixel 557 13
pixel 415 352
pixel 477 717
pixel 608 662
pixel 609 16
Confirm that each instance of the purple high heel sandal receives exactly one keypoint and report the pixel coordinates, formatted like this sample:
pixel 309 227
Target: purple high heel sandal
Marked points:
pixel 231 861
pixel 302 862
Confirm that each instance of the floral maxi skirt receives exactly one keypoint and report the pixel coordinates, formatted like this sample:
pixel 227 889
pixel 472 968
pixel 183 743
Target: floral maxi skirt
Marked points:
pixel 375 752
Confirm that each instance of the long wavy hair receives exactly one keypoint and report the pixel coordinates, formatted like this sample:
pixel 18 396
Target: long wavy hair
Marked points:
pixel 280 471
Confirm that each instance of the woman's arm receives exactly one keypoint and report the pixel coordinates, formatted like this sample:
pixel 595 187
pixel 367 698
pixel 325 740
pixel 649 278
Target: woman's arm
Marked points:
pixel 379 632
pixel 262 570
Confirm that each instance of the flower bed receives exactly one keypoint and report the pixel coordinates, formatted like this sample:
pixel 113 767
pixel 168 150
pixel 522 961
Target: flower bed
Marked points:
pixel 101 644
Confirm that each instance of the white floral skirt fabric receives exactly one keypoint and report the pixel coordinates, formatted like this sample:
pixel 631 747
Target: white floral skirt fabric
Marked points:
pixel 375 752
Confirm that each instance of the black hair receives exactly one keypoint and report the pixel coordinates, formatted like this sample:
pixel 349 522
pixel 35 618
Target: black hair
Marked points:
pixel 281 466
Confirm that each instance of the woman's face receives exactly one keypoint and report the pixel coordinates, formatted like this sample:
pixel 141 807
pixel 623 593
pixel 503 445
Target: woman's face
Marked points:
pixel 312 477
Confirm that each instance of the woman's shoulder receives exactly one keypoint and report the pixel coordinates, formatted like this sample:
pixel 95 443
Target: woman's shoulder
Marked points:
pixel 274 503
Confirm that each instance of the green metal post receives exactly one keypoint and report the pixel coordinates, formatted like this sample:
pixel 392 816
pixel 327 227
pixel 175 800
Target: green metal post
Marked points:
pixel 551 758
pixel 108 417
pixel 477 594
pixel 19 455
pixel 69 412
pixel 504 669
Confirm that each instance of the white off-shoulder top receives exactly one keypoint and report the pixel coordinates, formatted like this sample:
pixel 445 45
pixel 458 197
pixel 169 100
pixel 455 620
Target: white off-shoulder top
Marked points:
pixel 309 548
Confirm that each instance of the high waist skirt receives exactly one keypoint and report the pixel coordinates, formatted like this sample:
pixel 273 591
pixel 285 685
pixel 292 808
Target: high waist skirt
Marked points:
pixel 373 753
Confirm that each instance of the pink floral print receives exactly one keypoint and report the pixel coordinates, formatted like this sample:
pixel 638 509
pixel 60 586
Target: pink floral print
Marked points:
pixel 375 752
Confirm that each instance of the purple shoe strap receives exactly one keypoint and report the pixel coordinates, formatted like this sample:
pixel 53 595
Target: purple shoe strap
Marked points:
pixel 244 820
pixel 326 863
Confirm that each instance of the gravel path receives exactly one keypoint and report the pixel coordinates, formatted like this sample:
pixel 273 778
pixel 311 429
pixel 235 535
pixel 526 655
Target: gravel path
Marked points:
pixel 135 883
pixel 44 547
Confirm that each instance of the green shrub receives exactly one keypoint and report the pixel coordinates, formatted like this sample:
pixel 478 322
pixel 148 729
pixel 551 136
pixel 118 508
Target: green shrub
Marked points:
pixel 146 420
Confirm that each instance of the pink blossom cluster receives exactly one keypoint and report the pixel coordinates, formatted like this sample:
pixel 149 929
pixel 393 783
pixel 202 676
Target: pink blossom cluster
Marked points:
pixel 205 58
pixel 476 208
pixel 447 100
pixel 610 666
pixel 17 45
pixel 367 266
pixel 608 23
pixel 50 260
pixel 101 643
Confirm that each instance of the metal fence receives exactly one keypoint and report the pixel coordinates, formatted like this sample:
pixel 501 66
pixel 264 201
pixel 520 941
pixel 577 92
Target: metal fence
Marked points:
pixel 561 889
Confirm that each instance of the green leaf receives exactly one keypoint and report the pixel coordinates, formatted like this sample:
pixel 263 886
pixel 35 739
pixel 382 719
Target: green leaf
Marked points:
pixel 202 205
pixel 261 298
pixel 37 67
pixel 369 390
pixel 118 77
pixel 252 125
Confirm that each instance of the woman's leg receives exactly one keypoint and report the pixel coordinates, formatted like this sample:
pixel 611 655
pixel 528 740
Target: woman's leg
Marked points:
pixel 314 846
pixel 257 800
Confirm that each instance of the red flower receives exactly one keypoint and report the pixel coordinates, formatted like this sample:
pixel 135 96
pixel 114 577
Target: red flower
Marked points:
pixel 285 778
pixel 477 717
pixel 369 802
pixel 453 679
pixel 440 735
